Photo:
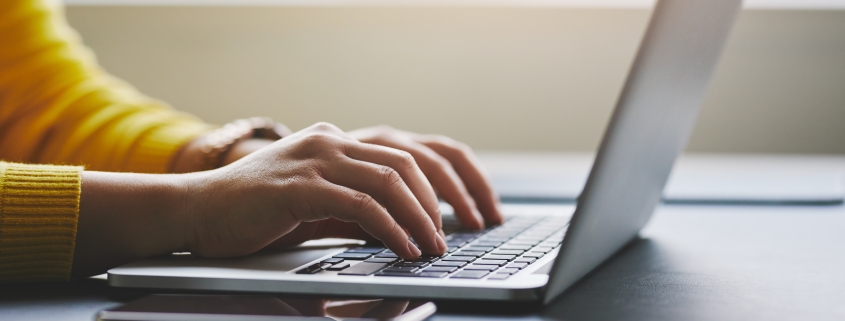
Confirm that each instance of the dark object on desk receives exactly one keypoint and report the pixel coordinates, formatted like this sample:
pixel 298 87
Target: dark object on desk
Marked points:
pixel 199 307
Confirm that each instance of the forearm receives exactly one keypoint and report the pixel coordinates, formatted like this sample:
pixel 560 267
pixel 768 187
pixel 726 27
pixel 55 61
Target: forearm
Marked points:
pixel 125 217
pixel 128 216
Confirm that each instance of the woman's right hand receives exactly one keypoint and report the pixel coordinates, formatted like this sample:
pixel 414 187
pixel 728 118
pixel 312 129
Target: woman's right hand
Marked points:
pixel 319 174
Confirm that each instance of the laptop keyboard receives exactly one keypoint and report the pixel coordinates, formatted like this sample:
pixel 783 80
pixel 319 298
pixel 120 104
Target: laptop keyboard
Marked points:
pixel 492 254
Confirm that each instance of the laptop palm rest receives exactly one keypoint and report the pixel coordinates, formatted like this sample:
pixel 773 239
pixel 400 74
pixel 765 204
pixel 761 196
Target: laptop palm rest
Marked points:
pixel 267 261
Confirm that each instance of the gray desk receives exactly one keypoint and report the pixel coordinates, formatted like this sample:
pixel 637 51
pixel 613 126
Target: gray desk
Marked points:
pixel 692 263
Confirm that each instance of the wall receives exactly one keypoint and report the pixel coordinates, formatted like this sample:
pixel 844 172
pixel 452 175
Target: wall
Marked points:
pixel 496 78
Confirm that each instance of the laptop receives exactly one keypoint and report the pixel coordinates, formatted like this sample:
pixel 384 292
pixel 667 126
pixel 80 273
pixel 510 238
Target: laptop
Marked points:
pixel 540 250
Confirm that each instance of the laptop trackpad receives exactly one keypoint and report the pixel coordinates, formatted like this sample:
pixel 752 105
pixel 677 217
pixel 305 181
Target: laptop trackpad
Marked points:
pixel 274 261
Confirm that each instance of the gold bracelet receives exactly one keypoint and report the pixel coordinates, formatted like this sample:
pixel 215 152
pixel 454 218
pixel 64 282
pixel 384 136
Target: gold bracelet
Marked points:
pixel 220 141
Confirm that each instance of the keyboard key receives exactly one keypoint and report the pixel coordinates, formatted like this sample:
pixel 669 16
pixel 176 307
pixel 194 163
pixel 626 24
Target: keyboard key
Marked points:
pixel 426 259
pixel 488 243
pixel 509 246
pixel 401 269
pixel 499 276
pixel 516 265
pixel 381 260
pixel 414 275
pixel 508 270
pixel 451 249
pixel 527 260
pixel 492 238
pixel 479 248
pixel 338 266
pixel 542 249
pixel 334 260
pixel 499 257
pixel 411 264
pixel 534 254
pixel 474 274
pixel 491 262
pixel 371 250
pixel 466 235
pixel 388 273
pixel 447 269
pixel 313 268
pixel 449 263
pixel 537 237
pixel 459 258
pixel 353 256
pixel 481 267
pixel 524 242
pixel 507 252
pixel 470 253
pixel 363 268
pixel 387 255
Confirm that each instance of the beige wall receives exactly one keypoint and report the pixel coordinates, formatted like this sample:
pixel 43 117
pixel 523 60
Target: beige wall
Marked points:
pixel 497 78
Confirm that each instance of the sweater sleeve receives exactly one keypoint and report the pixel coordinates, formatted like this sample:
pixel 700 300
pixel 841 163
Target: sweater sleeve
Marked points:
pixel 57 106
pixel 39 207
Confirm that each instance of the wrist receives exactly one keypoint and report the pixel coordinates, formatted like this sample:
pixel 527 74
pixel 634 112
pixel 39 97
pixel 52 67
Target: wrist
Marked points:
pixel 191 193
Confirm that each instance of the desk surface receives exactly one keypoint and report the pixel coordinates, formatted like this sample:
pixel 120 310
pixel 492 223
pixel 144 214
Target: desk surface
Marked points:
pixel 691 263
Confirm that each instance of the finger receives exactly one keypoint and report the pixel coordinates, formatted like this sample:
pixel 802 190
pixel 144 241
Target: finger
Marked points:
pixel 386 185
pixel 350 205
pixel 405 164
pixel 470 170
pixel 444 179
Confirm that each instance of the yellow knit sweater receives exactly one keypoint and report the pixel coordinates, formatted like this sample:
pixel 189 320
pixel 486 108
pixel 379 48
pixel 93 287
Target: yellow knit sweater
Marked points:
pixel 58 107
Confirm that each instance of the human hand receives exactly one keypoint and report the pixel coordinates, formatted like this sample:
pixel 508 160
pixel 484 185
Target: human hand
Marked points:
pixel 451 167
pixel 320 175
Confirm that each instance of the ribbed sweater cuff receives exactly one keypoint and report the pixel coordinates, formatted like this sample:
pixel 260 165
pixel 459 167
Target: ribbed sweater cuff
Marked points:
pixel 39 208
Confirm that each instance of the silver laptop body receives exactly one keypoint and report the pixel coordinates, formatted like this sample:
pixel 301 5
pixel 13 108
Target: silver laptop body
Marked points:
pixel 649 128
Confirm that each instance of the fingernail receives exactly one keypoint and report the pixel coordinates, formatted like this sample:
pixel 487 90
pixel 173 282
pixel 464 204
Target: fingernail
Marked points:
pixel 441 244
pixel 413 249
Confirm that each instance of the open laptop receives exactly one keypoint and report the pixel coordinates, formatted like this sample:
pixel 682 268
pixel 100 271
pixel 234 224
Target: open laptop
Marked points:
pixel 539 253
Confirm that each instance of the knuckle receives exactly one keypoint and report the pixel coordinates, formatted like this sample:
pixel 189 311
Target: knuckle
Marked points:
pixel 325 126
pixel 396 231
pixel 319 139
pixel 365 203
pixel 383 129
pixel 405 159
pixel 457 148
pixel 389 176
pixel 443 140
pixel 386 130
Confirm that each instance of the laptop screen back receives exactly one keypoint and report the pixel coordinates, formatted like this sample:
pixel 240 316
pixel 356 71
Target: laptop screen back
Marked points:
pixel 650 126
